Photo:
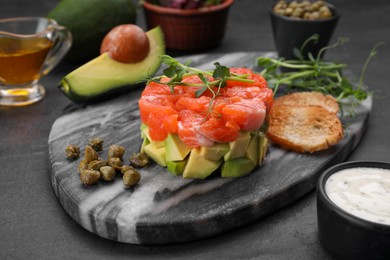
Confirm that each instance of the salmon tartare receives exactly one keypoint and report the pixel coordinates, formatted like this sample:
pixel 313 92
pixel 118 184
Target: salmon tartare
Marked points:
pixel 219 115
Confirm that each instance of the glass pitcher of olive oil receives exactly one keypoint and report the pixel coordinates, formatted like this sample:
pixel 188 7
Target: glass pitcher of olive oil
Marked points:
pixel 30 47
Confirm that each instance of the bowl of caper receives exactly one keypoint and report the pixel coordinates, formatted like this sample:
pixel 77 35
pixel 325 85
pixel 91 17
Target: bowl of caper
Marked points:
pixel 294 23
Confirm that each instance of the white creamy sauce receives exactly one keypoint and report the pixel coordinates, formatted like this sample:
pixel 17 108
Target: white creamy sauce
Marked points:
pixel 363 192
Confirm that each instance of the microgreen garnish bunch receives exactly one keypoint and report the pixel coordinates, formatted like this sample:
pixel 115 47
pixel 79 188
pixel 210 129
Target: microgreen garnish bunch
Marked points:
pixel 314 74
pixel 212 80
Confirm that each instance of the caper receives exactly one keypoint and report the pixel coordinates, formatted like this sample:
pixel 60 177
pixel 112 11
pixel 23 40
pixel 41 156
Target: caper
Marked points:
pixel 325 12
pixel 96 164
pixel 131 178
pixel 139 160
pixel 108 173
pixel 72 152
pixel 316 5
pixel 124 168
pixel 293 4
pixel 315 15
pixel 297 12
pixel 115 162
pixel 90 154
pixel 306 15
pixel 308 8
pixel 89 177
pixel 288 11
pixel 83 165
pixel 116 151
pixel 96 144
pixel 280 5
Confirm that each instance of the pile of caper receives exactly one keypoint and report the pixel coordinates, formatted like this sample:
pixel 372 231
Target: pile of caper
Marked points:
pixel 308 10
pixel 92 168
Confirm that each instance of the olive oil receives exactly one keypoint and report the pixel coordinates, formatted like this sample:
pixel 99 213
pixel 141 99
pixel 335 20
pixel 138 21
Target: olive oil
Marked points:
pixel 21 59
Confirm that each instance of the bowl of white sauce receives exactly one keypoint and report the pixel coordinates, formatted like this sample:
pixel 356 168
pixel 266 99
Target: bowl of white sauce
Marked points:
pixel 353 210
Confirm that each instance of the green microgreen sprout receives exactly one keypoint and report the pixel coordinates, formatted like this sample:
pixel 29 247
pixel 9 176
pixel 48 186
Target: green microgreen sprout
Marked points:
pixel 314 74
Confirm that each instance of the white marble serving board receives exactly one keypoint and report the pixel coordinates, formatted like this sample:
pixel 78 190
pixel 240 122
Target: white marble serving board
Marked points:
pixel 164 208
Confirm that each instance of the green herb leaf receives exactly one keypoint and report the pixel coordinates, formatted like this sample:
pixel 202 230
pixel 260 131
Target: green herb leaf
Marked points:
pixel 170 71
pixel 200 91
pixel 220 72
pixel 297 53
pixel 204 79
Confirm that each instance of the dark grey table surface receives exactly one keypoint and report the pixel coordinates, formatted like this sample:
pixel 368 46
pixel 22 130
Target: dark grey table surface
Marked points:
pixel 33 225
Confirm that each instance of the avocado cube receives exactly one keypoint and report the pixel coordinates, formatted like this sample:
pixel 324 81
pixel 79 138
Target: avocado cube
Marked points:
pixel 263 146
pixel 238 147
pixel 199 167
pixel 176 150
pixel 252 152
pixel 215 152
pixel 145 142
pixel 176 168
pixel 144 128
pixel 145 134
pixel 237 167
pixel 156 153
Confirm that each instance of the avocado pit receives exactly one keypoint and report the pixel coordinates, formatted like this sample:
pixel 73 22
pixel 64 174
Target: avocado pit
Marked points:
pixel 126 43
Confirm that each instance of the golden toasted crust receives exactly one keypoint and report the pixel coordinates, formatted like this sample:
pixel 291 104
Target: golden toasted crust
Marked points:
pixel 304 128
pixel 309 98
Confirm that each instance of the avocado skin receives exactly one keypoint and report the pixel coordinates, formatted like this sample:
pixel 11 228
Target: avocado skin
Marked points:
pixel 99 97
pixel 89 21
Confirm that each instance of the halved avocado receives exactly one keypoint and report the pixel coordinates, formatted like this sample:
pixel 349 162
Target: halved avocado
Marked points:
pixel 104 75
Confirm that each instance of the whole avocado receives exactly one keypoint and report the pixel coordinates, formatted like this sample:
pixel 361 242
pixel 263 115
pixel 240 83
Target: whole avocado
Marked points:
pixel 89 21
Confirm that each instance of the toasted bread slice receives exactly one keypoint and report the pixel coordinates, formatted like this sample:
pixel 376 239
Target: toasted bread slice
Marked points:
pixel 309 98
pixel 304 128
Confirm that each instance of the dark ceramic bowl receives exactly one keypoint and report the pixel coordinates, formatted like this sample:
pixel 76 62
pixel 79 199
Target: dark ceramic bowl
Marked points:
pixel 290 33
pixel 344 234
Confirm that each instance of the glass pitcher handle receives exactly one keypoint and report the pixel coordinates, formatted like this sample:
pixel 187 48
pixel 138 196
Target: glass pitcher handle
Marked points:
pixel 62 41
